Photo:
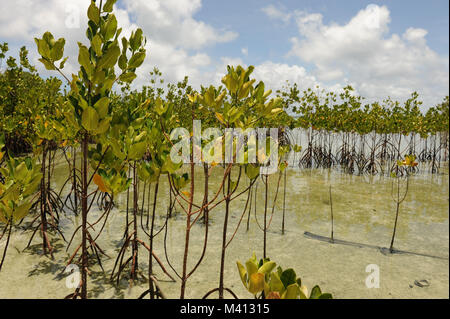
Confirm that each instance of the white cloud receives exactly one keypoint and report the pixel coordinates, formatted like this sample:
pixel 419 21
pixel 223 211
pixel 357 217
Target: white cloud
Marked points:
pixel 275 75
pixel 363 52
pixel 360 52
pixel 175 39
pixel 171 21
pixel 277 13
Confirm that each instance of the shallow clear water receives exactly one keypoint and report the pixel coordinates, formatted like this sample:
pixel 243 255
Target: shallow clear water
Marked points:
pixel 363 212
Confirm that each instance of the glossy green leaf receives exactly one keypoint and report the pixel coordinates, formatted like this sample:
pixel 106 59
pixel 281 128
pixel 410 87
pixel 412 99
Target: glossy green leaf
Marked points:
pixel 136 60
pixel 57 51
pixel 137 150
pixel 110 27
pixel 84 56
pixel 108 7
pixel 48 65
pixel 109 59
pixel 97 44
pixel 102 106
pixel 127 77
pixel 89 119
pixel 288 277
pixel 93 13
pixel 315 293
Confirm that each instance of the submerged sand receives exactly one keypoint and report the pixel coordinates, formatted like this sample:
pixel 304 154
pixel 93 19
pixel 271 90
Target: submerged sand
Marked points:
pixel 363 213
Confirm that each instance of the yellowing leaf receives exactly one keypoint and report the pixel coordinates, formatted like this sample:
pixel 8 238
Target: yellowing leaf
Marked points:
pixel 220 118
pixel 291 292
pixel 256 283
pixel 242 273
pixel 186 193
pixel 98 180
pixel 267 267
pixel 303 292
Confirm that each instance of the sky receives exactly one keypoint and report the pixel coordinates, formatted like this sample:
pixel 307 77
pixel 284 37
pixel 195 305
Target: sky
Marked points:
pixel 381 48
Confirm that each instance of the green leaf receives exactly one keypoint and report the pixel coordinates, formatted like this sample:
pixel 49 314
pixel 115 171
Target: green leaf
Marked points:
pixel 102 106
pixel 43 48
pixel 21 211
pixel 291 292
pixel 127 77
pixel 109 59
pixel 99 77
pixel 48 37
pixel 117 150
pixel 326 296
pixel 123 62
pixel 110 27
pixel 48 65
pixel 137 150
pixel 315 293
pixel 288 277
pixel 136 39
pixel 61 65
pixel 84 58
pixel 159 107
pixel 93 13
pixel 275 283
pixel 103 126
pixel 97 44
pixel 108 7
pixel 89 119
pixel 57 51
pixel 252 171
pixel 136 60
pixel 267 267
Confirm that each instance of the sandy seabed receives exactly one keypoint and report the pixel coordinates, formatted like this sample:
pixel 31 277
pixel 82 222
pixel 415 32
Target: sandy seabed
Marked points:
pixel 363 212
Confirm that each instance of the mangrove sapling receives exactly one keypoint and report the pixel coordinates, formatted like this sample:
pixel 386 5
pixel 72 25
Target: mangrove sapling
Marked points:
pixel 284 202
pixel 89 95
pixel 261 277
pixel 406 166
pixel 332 218
pixel 283 167
pixel 49 205
pixel 252 172
pixel 159 162
pixel 74 179
pixel 250 193
pixel 135 147
pixel 20 179
pixel 245 107
pixel 176 183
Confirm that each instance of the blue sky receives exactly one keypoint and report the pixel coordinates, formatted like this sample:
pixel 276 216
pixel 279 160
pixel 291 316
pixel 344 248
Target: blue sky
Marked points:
pixel 381 48
pixel 268 40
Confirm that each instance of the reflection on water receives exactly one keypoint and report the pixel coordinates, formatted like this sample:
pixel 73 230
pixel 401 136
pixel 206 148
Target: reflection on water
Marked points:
pixel 363 212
